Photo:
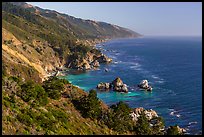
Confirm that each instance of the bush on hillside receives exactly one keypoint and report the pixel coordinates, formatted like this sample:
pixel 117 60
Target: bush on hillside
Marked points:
pixel 33 93
pixel 89 106
pixel 172 130
pixel 142 126
pixel 54 87
pixel 118 118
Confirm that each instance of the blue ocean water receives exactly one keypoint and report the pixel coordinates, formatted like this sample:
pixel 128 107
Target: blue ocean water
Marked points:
pixel 172 65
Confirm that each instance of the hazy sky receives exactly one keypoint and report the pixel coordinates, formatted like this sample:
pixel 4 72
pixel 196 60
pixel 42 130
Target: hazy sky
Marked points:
pixel 147 18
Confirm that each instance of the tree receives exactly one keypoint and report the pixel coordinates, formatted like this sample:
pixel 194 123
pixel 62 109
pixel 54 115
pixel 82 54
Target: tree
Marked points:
pixel 118 117
pixel 33 93
pixel 41 98
pixel 90 105
pixel 54 87
pixel 28 91
pixel 142 126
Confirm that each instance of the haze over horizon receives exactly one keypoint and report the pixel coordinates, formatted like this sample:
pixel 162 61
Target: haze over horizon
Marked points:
pixel 146 18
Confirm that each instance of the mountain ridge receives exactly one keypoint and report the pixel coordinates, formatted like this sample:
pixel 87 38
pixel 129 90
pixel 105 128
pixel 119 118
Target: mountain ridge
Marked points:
pixel 71 19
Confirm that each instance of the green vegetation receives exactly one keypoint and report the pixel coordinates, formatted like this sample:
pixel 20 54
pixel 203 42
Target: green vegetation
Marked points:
pixel 118 118
pixel 89 106
pixel 142 126
pixel 173 130
pixel 27 112
pixel 33 93
pixel 37 110
pixel 54 87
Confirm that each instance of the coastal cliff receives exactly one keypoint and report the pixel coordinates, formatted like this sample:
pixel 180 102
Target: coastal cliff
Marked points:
pixel 41 41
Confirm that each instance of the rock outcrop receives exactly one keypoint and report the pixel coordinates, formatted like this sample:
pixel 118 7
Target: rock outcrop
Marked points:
pixel 138 111
pixel 116 85
pixel 95 64
pixel 119 86
pixel 89 61
pixel 180 130
pixel 104 59
pixel 104 86
pixel 144 85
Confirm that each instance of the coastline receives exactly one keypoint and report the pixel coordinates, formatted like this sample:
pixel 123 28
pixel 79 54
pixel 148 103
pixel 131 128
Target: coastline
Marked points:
pixel 91 43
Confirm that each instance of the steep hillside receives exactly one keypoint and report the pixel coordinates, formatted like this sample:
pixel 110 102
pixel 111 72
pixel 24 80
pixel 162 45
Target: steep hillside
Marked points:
pixel 44 41
pixel 83 29
pixel 43 115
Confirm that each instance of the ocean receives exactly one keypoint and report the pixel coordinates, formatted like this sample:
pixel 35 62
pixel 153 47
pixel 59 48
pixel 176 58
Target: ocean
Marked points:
pixel 173 67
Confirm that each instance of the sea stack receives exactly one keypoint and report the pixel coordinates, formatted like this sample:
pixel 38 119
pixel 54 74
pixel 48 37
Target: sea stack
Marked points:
pixel 116 85
pixel 144 85
pixel 119 86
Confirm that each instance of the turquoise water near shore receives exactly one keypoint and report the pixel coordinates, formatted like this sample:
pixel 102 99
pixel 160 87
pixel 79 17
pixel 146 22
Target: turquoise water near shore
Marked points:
pixel 172 65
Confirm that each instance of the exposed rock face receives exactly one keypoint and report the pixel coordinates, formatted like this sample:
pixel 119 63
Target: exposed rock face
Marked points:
pixel 180 130
pixel 144 85
pixel 95 63
pixel 119 86
pixel 85 66
pixel 138 111
pixel 90 61
pixel 150 114
pixel 117 82
pixel 104 86
pixel 104 59
pixel 116 85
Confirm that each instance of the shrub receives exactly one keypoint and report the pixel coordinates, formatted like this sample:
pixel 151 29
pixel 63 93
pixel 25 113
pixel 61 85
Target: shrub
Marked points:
pixel 41 98
pixel 46 122
pixel 173 130
pixel 59 115
pixel 142 125
pixel 89 106
pixel 34 93
pixel 25 119
pixel 28 91
pixel 14 78
pixel 118 118
pixel 158 126
pixel 54 87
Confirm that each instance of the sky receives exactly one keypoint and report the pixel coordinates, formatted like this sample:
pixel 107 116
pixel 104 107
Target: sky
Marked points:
pixel 146 18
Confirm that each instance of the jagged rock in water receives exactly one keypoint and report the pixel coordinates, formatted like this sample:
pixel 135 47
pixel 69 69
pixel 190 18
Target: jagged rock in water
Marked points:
pixel 106 70
pixel 104 86
pixel 119 86
pixel 116 85
pixel 117 82
pixel 104 59
pixel 144 85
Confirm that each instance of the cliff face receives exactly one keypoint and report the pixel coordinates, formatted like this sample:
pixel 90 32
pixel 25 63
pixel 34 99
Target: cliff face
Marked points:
pixel 43 40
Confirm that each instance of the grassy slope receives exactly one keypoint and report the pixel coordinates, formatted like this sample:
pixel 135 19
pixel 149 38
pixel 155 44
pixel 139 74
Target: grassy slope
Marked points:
pixel 59 116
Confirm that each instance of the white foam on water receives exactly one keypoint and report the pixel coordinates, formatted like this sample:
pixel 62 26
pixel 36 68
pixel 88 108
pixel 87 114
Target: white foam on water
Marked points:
pixel 193 122
pixel 135 66
pixel 155 77
pixel 174 113
pixel 160 81
pixel 117 54
pixel 178 115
